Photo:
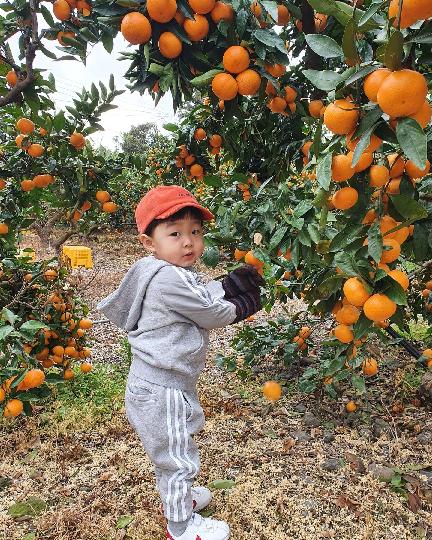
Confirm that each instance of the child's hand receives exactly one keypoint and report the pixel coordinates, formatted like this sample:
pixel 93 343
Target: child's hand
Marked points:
pixel 242 280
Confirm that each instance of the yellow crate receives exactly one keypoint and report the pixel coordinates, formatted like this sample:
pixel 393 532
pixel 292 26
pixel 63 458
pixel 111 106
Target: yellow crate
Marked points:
pixel 78 256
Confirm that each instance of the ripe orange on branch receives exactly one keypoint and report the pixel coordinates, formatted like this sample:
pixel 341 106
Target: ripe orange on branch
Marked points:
pixel 370 367
pixel 25 126
pixel 341 117
pixel 355 292
pixel 202 6
pixel 103 196
pixel 136 28
pixel 196 28
pixel 170 45
pixel 11 77
pixel 341 168
pixel 161 10
pixel 61 10
pixel 222 12
pixel 402 93
pixel 236 59
pixel 77 140
pixel 379 307
pixel 373 82
pixel 345 198
pixel 248 82
pixel 35 150
pixel 224 86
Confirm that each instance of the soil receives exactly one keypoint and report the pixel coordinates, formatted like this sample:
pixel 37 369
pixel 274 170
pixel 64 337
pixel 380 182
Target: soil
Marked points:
pixel 302 467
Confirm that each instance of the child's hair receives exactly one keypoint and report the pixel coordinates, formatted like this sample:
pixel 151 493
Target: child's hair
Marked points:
pixel 186 212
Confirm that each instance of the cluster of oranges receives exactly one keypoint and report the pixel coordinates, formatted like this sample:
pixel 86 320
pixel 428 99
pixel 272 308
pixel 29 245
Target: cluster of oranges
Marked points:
pixel 214 141
pixel 427 295
pixel 185 159
pixel 249 258
pixel 301 338
pixel 26 127
pixel 107 204
pixel 245 188
pixel 64 9
pixel 411 11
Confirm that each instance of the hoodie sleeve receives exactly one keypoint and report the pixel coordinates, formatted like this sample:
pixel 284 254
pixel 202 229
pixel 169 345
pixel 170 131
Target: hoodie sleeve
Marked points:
pixel 204 305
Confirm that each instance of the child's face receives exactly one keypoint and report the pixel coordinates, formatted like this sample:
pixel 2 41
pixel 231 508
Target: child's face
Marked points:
pixel 177 242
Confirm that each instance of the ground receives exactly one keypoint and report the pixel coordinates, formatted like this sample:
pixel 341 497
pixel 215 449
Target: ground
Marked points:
pixel 302 467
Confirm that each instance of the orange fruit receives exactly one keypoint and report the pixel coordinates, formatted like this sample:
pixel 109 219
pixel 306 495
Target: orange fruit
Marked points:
pixel 305 332
pixel 427 353
pixel 355 292
pixel 375 143
pixel 401 277
pixel 58 350
pixel 373 82
pixel 25 126
pixel 248 82
pixel 170 45
pixel 402 93
pixel 109 207
pixel 251 259
pixel 61 10
pixel 345 198
pixel 363 163
pixel 35 150
pixel 370 367
pixel 200 134
pixel 202 6
pixel 11 78
pixel 215 140
pixel 13 408
pixel 272 390
pixel 414 172
pixel 283 15
pixel 412 11
pixel 239 254
pixel 2 183
pixel 379 175
pixel 320 22
pixel 256 9
pixel 347 314
pixel 85 324
pixel 344 333
pixel 103 196
pixel 60 37
pixel 341 117
pixel 370 217
pixel 136 28
pixel 68 374
pixel 351 406
pixel 224 86
pixel 189 159
pixel 196 28
pixel 236 59
pixel 161 10
pixel 27 185
pixel 77 140
pixel 50 274
pixel 391 254
pixel 276 70
pixel 4 228
pixel 222 12
pixel 429 285
pixel 379 307
pixel 393 187
pixel 32 379
pixel 315 107
pixel 423 115
pixel 397 165
pixel 341 168
pixel 306 148
pixel 85 367
pixel 86 206
pixel 196 170
pixel 277 104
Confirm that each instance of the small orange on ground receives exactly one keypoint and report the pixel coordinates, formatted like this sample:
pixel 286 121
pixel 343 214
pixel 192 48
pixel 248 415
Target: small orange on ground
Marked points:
pixel 248 82
pixel 170 45
pixel 61 10
pixel 196 28
pixel 373 82
pixel 103 196
pixel 415 172
pixel 345 198
pixel 344 333
pixel 391 254
pixel 13 408
pixel 25 126
pixel 222 12
pixel 401 277
pixel 136 28
pixel 109 207
pixel 77 140
pixel 4 228
pixel 35 150
pixel 402 93
pixel 85 367
pixel 50 274
pixel 161 10
pixel 351 406
pixel 379 175
pixel 11 78
pixel 355 292
pixel 236 59
pixel 272 390
pixel 341 117
pixel 315 107
pixel 224 86
pixel 379 307
pixel 341 168
pixel 370 367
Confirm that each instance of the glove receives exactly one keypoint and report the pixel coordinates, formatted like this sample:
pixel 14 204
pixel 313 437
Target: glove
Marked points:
pixel 242 280
pixel 246 304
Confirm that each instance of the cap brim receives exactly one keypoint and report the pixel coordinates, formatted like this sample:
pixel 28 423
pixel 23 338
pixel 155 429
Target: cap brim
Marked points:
pixel 207 215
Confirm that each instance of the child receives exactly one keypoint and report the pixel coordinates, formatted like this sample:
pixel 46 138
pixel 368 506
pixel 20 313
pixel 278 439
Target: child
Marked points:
pixel 168 312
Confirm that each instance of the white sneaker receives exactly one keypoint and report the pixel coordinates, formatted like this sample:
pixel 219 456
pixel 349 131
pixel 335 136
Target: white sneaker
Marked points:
pixel 200 528
pixel 201 497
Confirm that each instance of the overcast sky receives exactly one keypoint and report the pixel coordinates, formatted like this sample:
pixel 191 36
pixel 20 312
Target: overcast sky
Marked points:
pixel 133 109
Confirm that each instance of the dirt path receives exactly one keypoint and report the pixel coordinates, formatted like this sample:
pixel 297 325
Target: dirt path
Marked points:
pixel 302 468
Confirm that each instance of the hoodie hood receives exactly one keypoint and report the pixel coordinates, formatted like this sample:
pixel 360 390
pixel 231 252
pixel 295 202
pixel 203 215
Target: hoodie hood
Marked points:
pixel 123 307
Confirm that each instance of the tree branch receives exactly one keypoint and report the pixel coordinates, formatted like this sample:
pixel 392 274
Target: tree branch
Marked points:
pixel 312 60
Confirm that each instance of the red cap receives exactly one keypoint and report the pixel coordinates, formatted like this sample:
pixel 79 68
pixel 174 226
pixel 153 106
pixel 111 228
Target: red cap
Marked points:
pixel 164 201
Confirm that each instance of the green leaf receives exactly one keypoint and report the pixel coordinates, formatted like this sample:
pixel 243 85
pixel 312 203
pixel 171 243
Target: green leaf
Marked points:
pixel 359 383
pixel 394 51
pixel 324 174
pixel 31 327
pixel 370 12
pixel 271 8
pixel 210 256
pixel 324 46
pixel 323 80
pixel 59 121
pixel 375 242
pixel 421 38
pixel 362 326
pixel 347 263
pixel 271 39
pixel 8 315
pixel 408 207
pixel 359 74
pixel 47 15
pixel 206 78
pixel 362 145
pixel 221 484
pixel 412 140
pixel 111 83
pixel 349 42
pixel 107 42
pixel 30 536
pixel 171 127
pixel 277 237
pixel 395 292
pixel 5 331
pixel 124 521
pixel 33 506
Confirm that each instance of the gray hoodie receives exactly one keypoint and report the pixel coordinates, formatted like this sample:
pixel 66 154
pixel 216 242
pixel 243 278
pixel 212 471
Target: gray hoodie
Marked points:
pixel 168 312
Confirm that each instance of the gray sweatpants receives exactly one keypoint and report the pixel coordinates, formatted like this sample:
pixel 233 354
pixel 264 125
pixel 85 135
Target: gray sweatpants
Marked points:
pixel 165 420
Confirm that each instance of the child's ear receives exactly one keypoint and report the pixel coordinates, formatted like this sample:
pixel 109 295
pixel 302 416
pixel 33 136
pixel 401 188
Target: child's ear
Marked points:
pixel 147 242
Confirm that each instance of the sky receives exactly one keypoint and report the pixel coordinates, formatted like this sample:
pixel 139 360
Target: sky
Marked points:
pixel 133 109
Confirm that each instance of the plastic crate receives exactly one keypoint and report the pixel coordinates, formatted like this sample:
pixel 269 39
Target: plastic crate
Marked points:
pixel 78 256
